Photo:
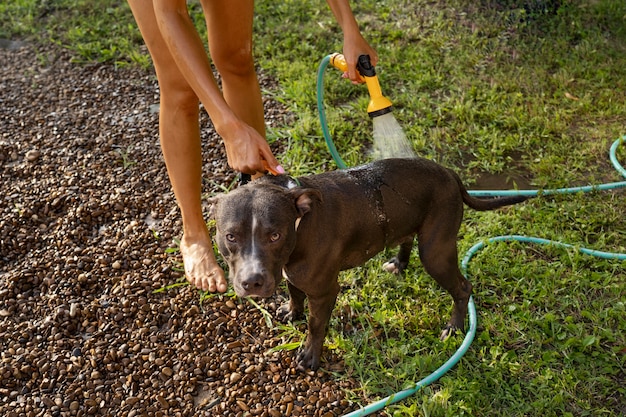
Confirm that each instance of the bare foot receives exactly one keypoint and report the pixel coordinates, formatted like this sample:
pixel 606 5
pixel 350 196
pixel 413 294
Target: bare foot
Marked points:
pixel 201 268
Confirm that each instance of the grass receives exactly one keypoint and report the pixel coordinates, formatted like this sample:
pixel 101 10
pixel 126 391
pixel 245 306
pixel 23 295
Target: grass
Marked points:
pixel 533 88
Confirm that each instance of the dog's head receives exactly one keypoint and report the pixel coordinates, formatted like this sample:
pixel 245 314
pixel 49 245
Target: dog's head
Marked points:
pixel 256 232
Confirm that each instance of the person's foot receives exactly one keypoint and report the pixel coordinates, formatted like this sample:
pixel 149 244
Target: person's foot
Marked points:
pixel 201 268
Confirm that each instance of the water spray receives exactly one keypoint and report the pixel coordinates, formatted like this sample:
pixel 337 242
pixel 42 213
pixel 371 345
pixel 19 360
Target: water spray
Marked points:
pixel 389 138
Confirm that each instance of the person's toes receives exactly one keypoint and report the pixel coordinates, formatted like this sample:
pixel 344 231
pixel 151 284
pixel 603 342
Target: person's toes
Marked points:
pixel 216 280
pixel 201 268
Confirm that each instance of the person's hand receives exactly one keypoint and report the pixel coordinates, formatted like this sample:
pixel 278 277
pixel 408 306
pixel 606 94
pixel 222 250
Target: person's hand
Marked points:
pixel 247 151
pixel 354 45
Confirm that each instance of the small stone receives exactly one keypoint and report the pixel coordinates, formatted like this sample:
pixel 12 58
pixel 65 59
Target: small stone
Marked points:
pixel 167 371
pixel 243 406
pixel 116 265
pixel 32 155
pixel 234 344
pixel 163 402
pixel 235 377
pixel 49 402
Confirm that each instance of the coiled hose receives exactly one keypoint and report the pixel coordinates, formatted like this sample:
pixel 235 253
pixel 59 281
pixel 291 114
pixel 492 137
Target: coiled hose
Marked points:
pixel 469 337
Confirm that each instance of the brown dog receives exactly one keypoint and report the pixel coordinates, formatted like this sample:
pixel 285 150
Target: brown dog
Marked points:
pixel 322 224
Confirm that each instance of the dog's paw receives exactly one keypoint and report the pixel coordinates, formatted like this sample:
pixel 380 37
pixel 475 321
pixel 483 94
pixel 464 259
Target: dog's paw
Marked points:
pixel 394 266
pixel 449 331
pixel 307 359
pixel 285 314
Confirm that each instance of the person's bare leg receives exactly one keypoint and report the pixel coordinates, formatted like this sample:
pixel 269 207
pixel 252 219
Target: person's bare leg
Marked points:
pixel 229 26
pixel 181 147
pixel 180 143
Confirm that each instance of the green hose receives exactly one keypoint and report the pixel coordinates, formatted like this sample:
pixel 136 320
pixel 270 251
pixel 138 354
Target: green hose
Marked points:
pixel 469 337
pixel 438 373
pixel 322 113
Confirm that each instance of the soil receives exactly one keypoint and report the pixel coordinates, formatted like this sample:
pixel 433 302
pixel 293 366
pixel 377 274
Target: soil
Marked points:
pixel 91 319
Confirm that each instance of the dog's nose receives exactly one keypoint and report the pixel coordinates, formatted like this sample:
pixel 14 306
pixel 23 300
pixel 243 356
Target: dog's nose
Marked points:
pixel 252 282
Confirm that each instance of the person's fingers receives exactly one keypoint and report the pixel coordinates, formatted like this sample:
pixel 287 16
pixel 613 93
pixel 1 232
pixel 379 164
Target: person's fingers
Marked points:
pixel 270 163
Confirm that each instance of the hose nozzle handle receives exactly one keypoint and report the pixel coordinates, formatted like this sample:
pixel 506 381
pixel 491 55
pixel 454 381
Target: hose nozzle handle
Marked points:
pixel 365 67
pixel 338 61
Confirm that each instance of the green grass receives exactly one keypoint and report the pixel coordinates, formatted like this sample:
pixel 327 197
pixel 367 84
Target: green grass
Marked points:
pixel 527 87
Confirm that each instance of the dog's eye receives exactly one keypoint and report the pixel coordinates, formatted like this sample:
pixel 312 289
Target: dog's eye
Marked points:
pixel 274 237
pixel 230 237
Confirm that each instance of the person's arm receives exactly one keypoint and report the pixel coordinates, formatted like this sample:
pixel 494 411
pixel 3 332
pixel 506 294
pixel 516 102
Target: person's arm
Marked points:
pixel 353 42
pixel 183 41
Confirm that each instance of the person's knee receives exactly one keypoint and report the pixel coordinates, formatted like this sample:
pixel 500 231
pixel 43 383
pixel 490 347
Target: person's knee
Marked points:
pixel 234 63
pixel 182 101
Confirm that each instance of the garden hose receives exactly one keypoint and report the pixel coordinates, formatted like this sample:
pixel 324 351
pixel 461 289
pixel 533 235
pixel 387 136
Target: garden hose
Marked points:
pixel 469 337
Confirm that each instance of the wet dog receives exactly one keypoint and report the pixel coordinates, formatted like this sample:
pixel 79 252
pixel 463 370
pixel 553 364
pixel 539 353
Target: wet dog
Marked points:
pixel 312 228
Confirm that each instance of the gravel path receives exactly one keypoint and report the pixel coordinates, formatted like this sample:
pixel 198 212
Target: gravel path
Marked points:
pixel 86 216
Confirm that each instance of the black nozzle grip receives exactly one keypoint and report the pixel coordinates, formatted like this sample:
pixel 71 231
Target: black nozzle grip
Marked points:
pixel 365 67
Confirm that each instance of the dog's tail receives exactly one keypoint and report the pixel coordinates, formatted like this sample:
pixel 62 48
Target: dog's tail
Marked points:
pixel 489 203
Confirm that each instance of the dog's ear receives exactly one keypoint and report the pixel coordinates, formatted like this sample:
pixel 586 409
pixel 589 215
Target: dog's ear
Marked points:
pixel 304 199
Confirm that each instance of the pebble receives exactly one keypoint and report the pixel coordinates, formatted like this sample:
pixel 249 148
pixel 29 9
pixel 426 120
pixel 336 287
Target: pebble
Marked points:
pixel 163 402
pixel 32 155
pixel 235 377
pixel 243 406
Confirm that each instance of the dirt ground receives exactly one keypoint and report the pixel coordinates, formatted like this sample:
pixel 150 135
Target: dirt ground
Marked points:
pixel 86 217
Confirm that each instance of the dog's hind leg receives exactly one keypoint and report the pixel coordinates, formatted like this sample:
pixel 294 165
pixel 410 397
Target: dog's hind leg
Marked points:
pixel 398 263
pixel 438 252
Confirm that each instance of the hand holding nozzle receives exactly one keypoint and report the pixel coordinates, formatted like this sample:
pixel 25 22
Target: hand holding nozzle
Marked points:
pixel 378 104
pixel 338 61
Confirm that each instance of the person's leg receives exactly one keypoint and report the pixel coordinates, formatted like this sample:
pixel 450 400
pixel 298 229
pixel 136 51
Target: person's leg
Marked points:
pixel 180 143
pixel 229 26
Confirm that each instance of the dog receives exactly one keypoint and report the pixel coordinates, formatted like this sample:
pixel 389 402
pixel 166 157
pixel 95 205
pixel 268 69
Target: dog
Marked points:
pixel 310 229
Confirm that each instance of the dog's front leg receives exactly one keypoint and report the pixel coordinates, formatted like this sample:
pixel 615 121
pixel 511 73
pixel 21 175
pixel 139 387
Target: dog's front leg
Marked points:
pixel 320 310
pixel 294 309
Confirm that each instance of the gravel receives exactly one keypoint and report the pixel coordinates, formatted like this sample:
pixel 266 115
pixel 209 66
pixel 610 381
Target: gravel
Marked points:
pixel 86 217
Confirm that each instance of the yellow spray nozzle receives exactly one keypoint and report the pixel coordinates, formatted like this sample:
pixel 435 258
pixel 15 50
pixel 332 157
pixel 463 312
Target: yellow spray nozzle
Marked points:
pixel 378 104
